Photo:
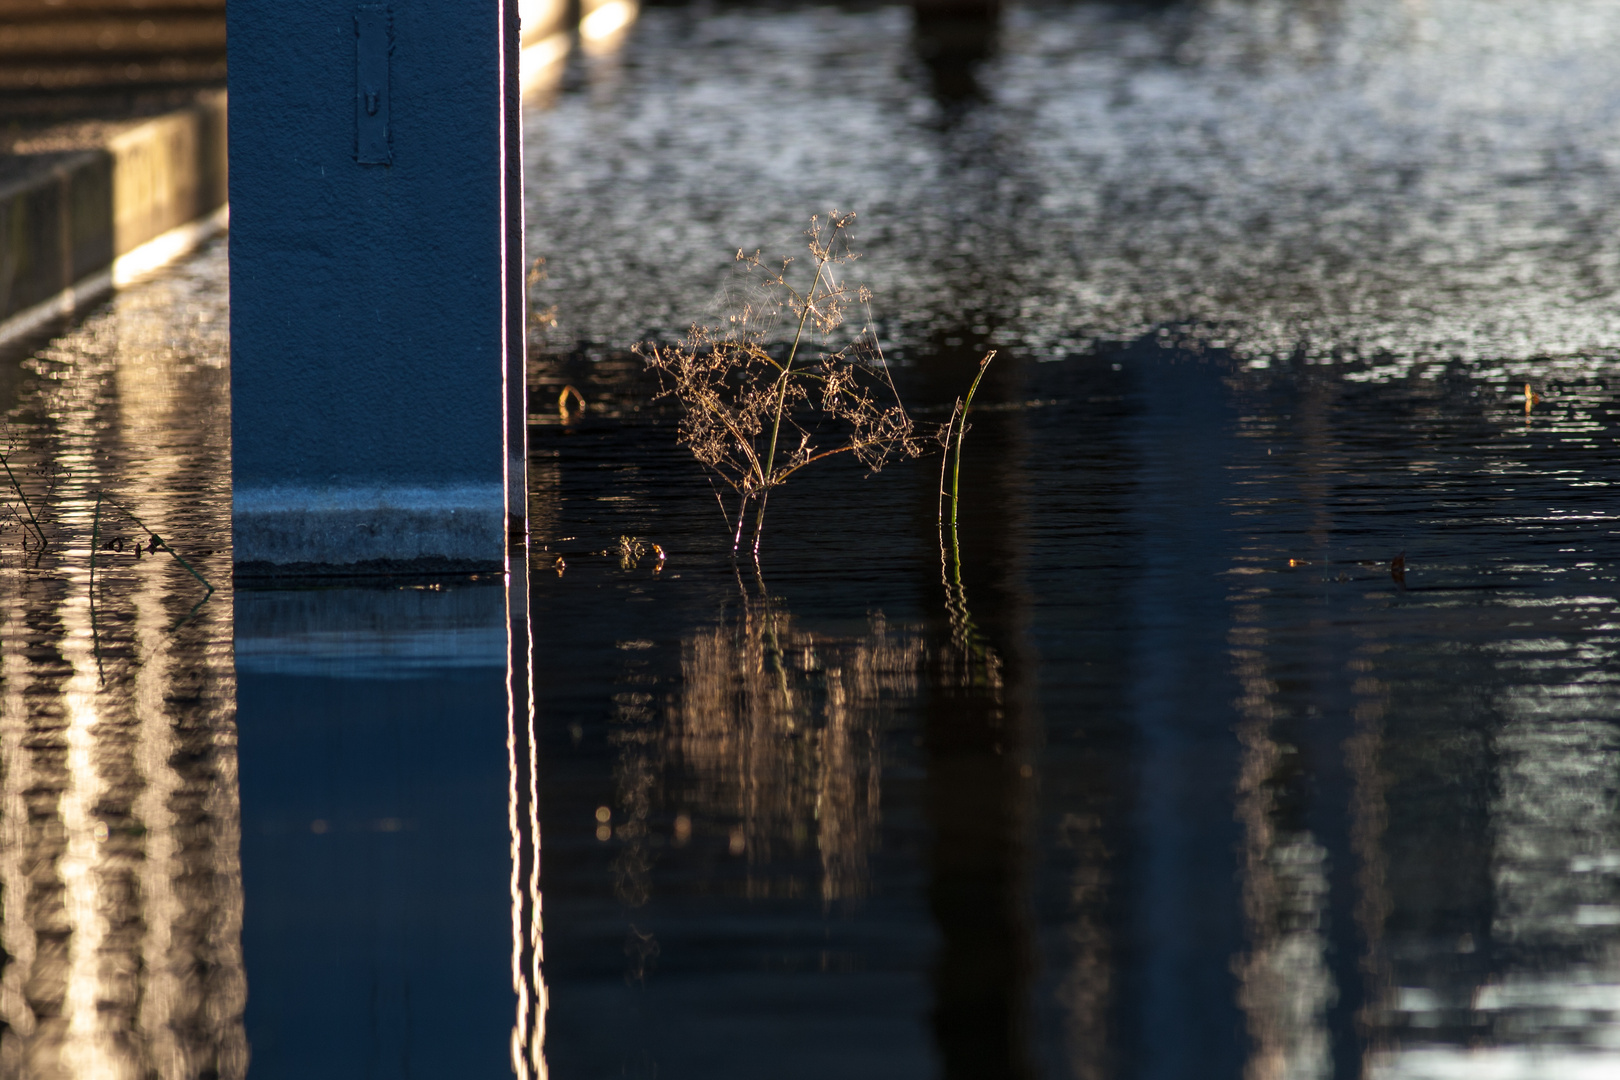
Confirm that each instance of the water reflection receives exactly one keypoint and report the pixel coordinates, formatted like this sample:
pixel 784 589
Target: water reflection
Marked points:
pixel 1285 986
pixel 1368 178
pixel 523 764
pixel 379 849
pixel 1285 813
pixel 775 742
pixel 119 870
pixel 952 39
pixel 1476 714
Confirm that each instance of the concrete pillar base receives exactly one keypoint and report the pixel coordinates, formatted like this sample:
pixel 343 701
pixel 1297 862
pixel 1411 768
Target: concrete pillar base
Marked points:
pixel 368 530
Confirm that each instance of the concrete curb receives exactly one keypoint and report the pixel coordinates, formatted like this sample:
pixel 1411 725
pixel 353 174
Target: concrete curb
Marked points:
pixel 95 219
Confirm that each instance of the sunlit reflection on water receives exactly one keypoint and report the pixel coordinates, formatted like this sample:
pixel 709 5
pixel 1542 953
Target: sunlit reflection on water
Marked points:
pixel 119 870
pixel 1378 178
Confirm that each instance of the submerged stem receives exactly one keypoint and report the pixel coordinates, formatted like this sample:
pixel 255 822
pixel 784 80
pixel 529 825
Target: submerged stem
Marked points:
pixel 759 521
pixel 164 544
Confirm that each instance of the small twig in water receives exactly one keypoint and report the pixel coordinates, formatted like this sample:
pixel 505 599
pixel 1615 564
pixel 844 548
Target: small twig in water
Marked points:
pixel 158 541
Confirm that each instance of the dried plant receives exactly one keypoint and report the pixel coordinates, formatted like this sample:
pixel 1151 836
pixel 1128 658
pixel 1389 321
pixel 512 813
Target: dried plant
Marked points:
pixel 746 388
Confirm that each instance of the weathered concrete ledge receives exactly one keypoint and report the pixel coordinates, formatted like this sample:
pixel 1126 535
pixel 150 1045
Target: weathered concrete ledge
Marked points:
pixel 86 220
pixel 296 532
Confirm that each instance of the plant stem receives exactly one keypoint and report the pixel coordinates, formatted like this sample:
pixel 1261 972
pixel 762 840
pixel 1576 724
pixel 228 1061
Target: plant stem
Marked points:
pixel 759 521
pixel 944 461
pixel 961 432
pixel 742 512
pixel 15 486
pixel 781 398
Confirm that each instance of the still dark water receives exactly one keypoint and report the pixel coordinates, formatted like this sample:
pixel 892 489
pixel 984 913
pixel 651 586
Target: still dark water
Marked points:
pixel 1183 781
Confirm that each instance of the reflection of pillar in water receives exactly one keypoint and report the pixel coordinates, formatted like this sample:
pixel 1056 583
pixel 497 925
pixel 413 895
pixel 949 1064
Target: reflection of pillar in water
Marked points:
pixel 976 794
pixel 1369 814
pixel 1503 927
pixel 1426 833
pixel 1555 926
pixel 978 735
pixel 1285 986
pixel 1557 828
pixel 952 38
pixel 377 808
pixel 528 947
pixel 1086 990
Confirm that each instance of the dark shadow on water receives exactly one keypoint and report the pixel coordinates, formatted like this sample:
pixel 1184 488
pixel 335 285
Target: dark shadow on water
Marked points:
pixel 952 39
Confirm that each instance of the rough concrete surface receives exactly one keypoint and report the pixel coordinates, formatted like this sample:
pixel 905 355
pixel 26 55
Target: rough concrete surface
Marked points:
pixel 369 301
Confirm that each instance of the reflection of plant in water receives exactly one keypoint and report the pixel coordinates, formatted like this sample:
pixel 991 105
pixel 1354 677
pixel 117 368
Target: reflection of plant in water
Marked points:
pixel 778 728
pixel 633 548
pixel 975 660
pixel 737 396
pixel 971 660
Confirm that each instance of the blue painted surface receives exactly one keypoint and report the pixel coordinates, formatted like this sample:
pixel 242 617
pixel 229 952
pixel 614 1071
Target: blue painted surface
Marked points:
pixel 366 300
pixel 376 854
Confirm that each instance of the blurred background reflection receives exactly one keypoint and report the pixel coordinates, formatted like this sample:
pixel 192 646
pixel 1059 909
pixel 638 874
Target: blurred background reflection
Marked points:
pixel 121 896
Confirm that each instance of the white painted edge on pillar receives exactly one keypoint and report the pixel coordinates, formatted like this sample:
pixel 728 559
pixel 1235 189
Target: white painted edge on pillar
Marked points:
pixel 337 526
pixel 539 65
pixel 153 255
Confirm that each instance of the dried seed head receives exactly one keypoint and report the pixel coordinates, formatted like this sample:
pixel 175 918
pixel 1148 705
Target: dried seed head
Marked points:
pixel 743 387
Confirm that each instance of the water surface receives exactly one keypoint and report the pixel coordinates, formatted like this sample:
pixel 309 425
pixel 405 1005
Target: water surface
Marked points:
pixel 1187 781
pixel 1183 779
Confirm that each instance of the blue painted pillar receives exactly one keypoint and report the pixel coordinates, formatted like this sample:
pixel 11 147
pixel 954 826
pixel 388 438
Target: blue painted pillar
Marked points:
pixel 376 285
